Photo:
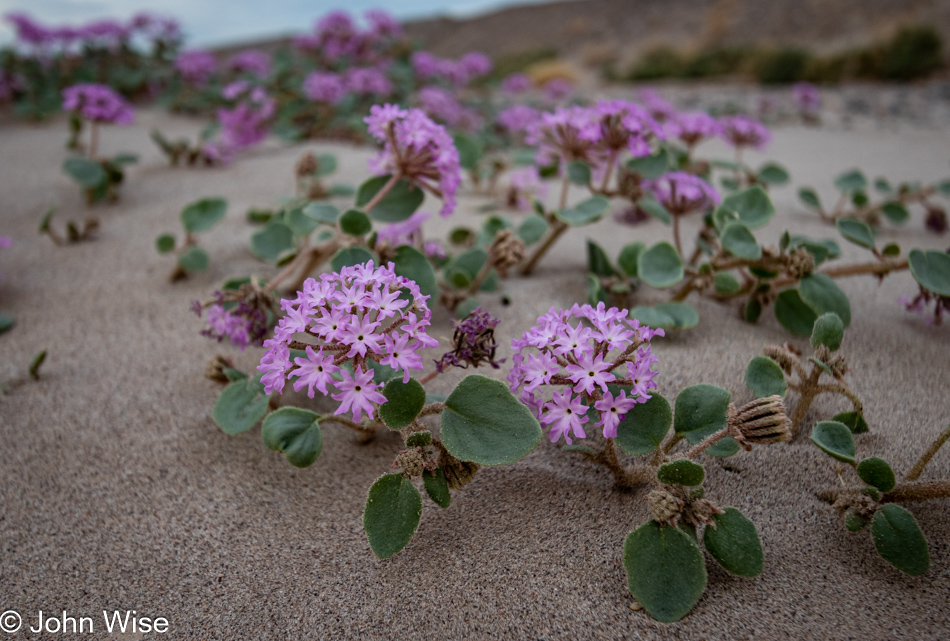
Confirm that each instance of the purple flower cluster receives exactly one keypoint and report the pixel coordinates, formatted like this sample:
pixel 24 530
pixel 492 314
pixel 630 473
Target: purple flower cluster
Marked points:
pixel 417 149
pixel 97 103
pixel 524 185
pixel 355 316
pixel 332 88
pixel 573 348
pixel 324 86
pixel 109 34
pixel 595 134
pixel 336 36
pixel 474 341
pixel 242 324
pixel 245 123
pixel 661 110
pixel 683 193
pixel 442 105
pixel 459 72
pixel 807 97
pixel 195 66
pixel 742 131
pixel 517 119
pixel 693 128
pixel 516 83
pixel 257 63
pixel 558 88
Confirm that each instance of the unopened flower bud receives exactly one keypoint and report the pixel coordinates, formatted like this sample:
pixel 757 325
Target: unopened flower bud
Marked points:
pixel 761 422
pixel 801 263
pixel 214 370
pixel 412 461
pixel 307 165
pixel 506 251
pixel 665 507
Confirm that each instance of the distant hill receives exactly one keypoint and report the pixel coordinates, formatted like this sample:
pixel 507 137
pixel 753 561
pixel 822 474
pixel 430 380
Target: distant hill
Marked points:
pixel 586 29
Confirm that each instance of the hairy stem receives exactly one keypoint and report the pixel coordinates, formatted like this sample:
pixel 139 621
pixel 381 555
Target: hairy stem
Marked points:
pixel 382 192
pixel 557 228
pixel 712 439
pixel 431 408
pixel 919 466
pixel 904 492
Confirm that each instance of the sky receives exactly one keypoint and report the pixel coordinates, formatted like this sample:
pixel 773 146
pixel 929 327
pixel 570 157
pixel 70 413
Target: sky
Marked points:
pixel 216 22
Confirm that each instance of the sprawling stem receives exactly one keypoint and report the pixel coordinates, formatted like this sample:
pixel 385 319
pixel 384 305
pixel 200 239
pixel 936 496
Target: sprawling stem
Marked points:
pixel 362 429
pixel 558 227
pixel 903 492
pixel 676 234
pixel 93 139
pixel 626 477
pixel 382 192
pixel 808 392
pixel 919 466
pixel 713 438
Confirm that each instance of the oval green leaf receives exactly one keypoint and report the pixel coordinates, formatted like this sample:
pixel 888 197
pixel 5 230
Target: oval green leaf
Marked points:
pixel 739 241
pixel 412 264
pixel 752 205
pixel 700 407
pixel 733 541
pixel 296 433
pixel 793 314
pixel 857 231
pixel 765 378
pixel 645 426
pixel 400 203
pixel 878 473
pixel 681 472
pixel 165 243
pixel 403 403
pixel 666 572
pixel 393 510
pixel 350 256
pixel 660 266
pixel 240 406
pixel 899 541
pixel 203 214
pixel 355 223
pixel 828 331
pixel 834 439
pixel 485 424
pixel 437 487
pixel 193 259
pixel 822 294
pixel 272 241
pixel 585 212
pixel 931 270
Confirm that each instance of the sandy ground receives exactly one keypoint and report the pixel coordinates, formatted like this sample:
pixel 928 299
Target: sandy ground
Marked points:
pixel 117 491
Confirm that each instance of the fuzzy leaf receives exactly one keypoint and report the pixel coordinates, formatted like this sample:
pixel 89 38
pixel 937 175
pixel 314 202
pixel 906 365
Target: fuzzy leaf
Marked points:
pixel 650 167
pixel 753 206
pixel 725 283
pixel 834 439
pixel 393 510
pixel 203 214
pixel 931 270
pixel 660 266
pixel 165 243
pixel 240 406
pixel 899 541
pixel 666 572
pixel 765 378
pixel 854 421
pixel 532 229
pixel 6 323
pixel 878 473
pixel 272 241
pixel 578 172
pixel 437 487
pixel 485 424
pixel 403 403
pixel 193 259
pixel 851 181
pixel 733 541
pixel 739 241
pixel 411 263
pixel 645 426
pixel 772 174
pixel 296 433
pixel 400 203
pixel 628 258
pixel 822 294
pixel 895 212
pixel 810 197
pixel 322 213
pixel 793 314
pixel 681 472
pixel 700 407
pixel 597 260
pixel 88 173
pixel 828 331
pixel 349 256
pixel 674 315
pixel 355 223
pixel 470 152
pixel 585 212
pixel 857 231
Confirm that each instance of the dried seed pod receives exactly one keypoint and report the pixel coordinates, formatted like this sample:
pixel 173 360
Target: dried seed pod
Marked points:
pixel 761 422
pixel 665 507
pixel 506 251
pixel 412 461
pixel 307 165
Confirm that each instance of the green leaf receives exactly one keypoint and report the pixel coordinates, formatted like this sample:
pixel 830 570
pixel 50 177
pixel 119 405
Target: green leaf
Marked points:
pixel 125 159
pixel 419 439
pixel 437 487
pixel 412 264
pixel 878 473
pixel 660 266
pixel 47 219
pixel 666 315
pixel 666 571
pixel 772 174
pixel 650 167
pixel 322 212
pixel 165 243
pixel 899 541
pixel 350 256
pixel 739 241
pixel 853 420
pixel 765 378
pixel 203 214
pixel 470 152
pixel 854 521
pixel 485 424
pixel 857 231
pixel 578 172
pixel 733 541
pixel 35 365
pixel 931 270
pixel 6 323
pixel 532 229
pixel 681 472
pixel 462 271
pixel 240 406
pixel 851 181
pixel 300 223
pixel 403 403
pixel 628 258
pixel 701 407
pixel 88 173
pixel 895 212
pixel 793 314
pixel 883 186
pixel 355 223
pixel 193 259
pixel 891 249
pixel 834 439
pixel 810 197
pixel 400 203
pixel 272 241
pixel 725 283
pixel 296 433
pixel 828 331
pixel 585 212
pixel 597 260
pixel 752 310
pixel 655 209
pixel 326 165
pixel 393 510
pixel 645 426
pixel 822 294
pixel 753 206
pixel 595 291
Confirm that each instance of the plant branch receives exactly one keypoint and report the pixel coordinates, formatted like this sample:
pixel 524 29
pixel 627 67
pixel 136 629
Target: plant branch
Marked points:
pixel 919 466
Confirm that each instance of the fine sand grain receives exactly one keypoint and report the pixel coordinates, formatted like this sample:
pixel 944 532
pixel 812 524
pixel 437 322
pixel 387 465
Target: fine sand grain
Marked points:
pixel 117 491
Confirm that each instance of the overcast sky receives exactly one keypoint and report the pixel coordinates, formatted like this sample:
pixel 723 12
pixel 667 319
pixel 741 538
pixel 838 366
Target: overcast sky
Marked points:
pixel 211 22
